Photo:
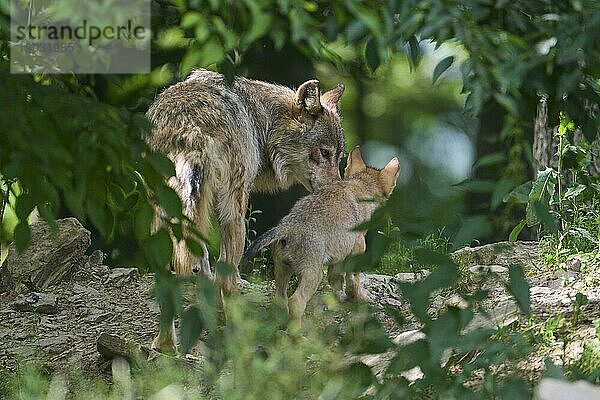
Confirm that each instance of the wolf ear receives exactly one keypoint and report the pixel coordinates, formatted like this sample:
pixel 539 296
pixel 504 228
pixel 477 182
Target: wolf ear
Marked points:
pixel 308 97
pixel 331 98
pixel 355 163
pixel 389 175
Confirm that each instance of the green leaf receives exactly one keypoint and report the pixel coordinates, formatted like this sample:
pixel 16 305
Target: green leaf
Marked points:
pixel 191 328
pixel 575 190
pixel 508 103
pixel 490 159
pixel 143 221
pixel 408 357
pixel 22 236
pixel 566 124
pixel 169 201
pixel 519 195
pixel 581 299
pixel 500 191
pixel 158 249
pixel 442 333
pixel 473 227
pixel 358 377
pixel 476 185
pixel 414 51
pixel 441 67
pixel 519 288
pixel 542 191
pixel 554 371
pixel 372 55
pixel 224 269
pixel 161 163
pixel 542 213
pixel 169 296
pixel 514 234
pixel 418 293
pixel 194 247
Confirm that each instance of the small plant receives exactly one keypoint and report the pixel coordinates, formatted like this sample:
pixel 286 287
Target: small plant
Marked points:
pixel 580 301
pixel 400 256
pixel 261 259
pixel 543 332
pixel 563 198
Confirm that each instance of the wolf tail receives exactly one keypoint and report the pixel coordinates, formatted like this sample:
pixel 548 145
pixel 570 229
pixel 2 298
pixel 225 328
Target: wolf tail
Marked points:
pixel 263 240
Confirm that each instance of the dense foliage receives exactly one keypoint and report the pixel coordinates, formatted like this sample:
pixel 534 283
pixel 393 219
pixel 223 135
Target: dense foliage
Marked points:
pixel 74 145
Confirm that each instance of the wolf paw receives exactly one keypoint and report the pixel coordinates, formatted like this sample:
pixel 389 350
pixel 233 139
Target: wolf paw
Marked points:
pixel 164 346
pixel 361 296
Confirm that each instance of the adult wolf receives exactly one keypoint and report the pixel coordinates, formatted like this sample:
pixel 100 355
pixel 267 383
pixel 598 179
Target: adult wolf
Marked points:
pixel 227 140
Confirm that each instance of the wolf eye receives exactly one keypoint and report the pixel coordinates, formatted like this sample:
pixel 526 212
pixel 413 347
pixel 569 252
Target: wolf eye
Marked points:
pixel 325 153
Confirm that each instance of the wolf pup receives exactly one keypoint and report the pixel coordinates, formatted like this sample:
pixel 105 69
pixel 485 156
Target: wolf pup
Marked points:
pixel 226 140
pixel 319 231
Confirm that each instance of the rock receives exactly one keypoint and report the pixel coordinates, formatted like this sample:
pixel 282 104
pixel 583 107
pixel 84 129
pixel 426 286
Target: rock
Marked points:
pixel 487 268
pixel 123 273
pixel 50 344
pixel 111 346
pixel 556 389
pixel 86 290
pixel 575 265
pixel 410 276
pixel 51 257
pixel 97 315
pixel 525 254
pixel 39 302
pixel 504 313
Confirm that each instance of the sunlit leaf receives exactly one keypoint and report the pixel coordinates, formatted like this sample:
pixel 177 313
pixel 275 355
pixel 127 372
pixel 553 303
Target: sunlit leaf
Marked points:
pixel 441 67
pixel 514 234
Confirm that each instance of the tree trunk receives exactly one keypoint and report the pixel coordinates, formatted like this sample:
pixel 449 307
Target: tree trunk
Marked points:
pixel 545 144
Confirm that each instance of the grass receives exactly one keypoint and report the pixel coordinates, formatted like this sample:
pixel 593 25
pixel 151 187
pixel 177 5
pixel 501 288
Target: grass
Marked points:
pixel 399 258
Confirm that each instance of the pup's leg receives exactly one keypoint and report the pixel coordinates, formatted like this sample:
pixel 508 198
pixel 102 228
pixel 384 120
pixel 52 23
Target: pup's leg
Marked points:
pixel 354 289
pixel 309 278
pixel 283 273
pixel 336 281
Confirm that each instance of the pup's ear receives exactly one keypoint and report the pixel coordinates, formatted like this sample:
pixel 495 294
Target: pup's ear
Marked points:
pixel 389 175
pixel 331 98
pixel 308 97
pixel 355 163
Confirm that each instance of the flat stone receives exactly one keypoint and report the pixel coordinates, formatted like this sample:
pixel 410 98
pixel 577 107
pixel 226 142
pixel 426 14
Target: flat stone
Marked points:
pixel 77 288
pixel 497 269
pixel 42 303
pixel 123 273
pixel 24 351
pixel 97 315
pixel 53 341
pixel 540 290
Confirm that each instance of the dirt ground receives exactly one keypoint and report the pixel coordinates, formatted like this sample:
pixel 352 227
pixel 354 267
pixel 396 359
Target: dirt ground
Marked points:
pixel 59 325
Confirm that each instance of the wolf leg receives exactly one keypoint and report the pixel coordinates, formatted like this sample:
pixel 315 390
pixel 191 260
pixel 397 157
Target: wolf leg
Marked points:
pixel 308 281
pixel 354 289
pixel 233 236
pixel 196 201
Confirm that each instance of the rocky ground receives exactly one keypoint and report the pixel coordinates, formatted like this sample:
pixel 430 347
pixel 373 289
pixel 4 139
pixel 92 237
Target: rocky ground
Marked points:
pixel 56 301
